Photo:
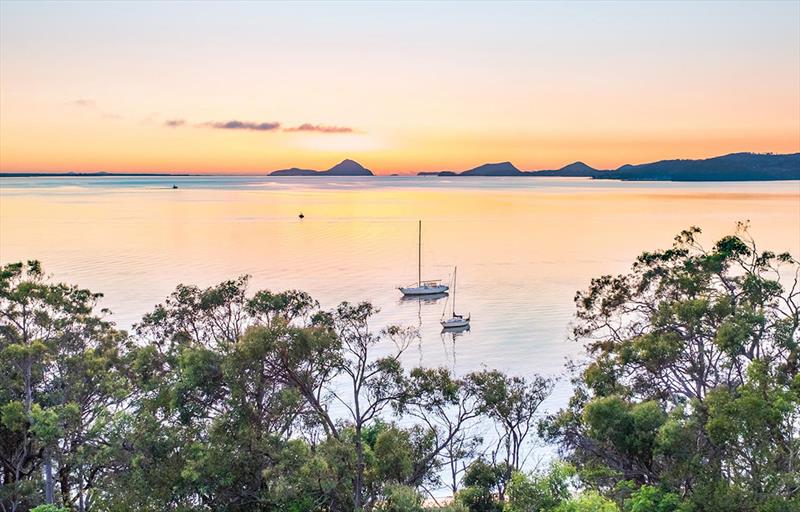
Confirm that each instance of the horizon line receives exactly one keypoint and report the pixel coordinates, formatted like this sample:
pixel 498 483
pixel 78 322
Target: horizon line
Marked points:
pixel 388 173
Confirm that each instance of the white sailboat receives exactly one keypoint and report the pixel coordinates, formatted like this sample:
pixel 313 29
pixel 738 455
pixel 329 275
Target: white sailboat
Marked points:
pixel 455 321
pixel 430 287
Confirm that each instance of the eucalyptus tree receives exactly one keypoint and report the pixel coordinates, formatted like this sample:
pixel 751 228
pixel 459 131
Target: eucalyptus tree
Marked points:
pixel 229 382
pixel 512 403
pixel 342 368
pixel 692 380
pixel 210 423
pixel 64 380
pixel 450 411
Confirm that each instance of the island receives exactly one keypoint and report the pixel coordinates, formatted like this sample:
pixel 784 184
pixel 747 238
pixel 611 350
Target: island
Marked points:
pixel 498 169
pixel 346 167
pixel 576 169
pixel 732 167
pixel 573 170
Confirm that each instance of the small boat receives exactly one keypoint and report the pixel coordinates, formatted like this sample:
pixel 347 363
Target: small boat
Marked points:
pixel 430 287
pixel 174 187
pixel 301 216
pixel 455 322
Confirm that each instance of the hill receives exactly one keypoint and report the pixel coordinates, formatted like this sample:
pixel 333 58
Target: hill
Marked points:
pixel 498 169
pixel 346 167
pixel 573 170
pixel 733 167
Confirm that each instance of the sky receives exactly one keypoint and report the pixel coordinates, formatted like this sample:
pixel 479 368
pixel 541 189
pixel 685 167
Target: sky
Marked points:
pixel 249 87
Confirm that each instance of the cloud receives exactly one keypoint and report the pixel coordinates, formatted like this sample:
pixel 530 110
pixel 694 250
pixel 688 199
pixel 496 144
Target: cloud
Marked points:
pixel 83 102
pixel 308 127
pixel 259 126
pixel 244 125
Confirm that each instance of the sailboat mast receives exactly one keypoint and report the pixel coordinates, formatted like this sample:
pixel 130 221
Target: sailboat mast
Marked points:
pixel 455 274
pixel 419 255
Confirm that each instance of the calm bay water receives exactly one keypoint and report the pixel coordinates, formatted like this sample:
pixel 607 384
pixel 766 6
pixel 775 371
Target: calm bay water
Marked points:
pixel 523 246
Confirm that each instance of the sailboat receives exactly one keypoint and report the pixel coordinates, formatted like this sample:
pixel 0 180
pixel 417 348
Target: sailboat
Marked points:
pixel 455 322
pixel 430 287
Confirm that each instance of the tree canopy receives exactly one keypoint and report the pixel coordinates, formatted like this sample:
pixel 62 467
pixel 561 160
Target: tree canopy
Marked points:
pixel 688 399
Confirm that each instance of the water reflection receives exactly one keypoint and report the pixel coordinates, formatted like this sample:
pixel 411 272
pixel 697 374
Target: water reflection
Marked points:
pixel 423 299
pixel 523 246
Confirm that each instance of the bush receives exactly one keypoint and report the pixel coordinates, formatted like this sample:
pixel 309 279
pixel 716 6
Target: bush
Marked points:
pixel 652 499
pixel 588 502
pixel 401 498
pixel 478 499
pixel 49 508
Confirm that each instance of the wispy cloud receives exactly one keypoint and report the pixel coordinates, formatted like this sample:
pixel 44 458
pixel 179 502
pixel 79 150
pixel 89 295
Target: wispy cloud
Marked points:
pixel 244 125
pixel 83 102
pixel 308 127
pixel 269 126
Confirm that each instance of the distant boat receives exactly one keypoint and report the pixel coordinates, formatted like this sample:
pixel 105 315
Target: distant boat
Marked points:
pixel 430 287
pixel 301 215
pixel 455 321
pixel 174 187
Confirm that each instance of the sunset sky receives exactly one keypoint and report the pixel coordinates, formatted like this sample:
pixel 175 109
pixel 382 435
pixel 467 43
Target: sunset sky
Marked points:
pixel 400 87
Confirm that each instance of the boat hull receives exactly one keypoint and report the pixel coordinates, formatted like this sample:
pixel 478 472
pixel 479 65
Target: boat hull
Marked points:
pixel 424 290
pixel 455 323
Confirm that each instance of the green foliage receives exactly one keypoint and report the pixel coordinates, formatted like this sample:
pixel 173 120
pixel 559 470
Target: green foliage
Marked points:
pixel 478 499
pixel 540 491
pixel 49 508
pixel 589 501
pixel 394 455
pixel 690 390
pixel 226 401
pixel 64 374
pixel 453 506
pixel 652 499
pixel 400 498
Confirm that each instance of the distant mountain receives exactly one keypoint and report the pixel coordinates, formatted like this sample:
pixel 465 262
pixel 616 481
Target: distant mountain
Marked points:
pixel 437 173
pixel 508 169
pixel 498 169
pixel 346 167
pixel 733 167
pixel 573 170
pixel 295 171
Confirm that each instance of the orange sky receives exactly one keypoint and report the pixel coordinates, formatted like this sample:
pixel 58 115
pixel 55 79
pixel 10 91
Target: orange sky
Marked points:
pixel 212 87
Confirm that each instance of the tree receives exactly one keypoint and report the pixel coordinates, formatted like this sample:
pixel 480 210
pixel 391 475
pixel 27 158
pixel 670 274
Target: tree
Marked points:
pixel 448 407
pixel 544 491
pixel 64 379
pixel 691 354
pixel 211 425
pixel 483 481
pixel 512 403
pixel 375 385
pixel 264 401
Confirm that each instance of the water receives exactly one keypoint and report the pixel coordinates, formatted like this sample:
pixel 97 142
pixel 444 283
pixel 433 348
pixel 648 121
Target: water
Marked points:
pixel 523 246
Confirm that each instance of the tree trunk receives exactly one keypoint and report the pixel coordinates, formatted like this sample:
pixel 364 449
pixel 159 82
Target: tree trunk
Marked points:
pixel 49 483
pixel 63 477
pixel 358 480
